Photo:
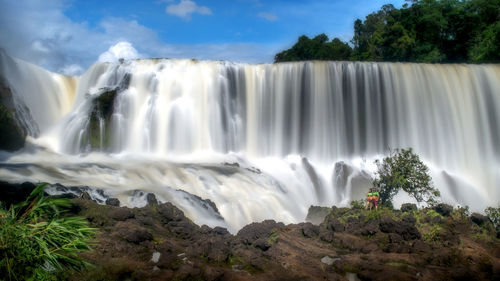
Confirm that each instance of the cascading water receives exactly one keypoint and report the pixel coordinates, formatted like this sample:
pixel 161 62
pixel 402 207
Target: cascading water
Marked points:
pixel 301 133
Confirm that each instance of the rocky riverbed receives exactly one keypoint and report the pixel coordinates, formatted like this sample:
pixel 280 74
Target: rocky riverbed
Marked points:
pixel 158 242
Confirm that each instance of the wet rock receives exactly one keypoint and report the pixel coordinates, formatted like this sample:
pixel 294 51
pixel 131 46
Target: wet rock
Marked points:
pixel 443 209
pixel 309 230
pixel 12 193
pixel 113 202
pixel 13 127
pixel 408 207
pixel 151 199
pixel 478 218
pixel 169 212
pixel 86 196
pixel 316 215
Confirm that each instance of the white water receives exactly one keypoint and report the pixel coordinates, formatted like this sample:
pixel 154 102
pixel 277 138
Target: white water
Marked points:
pixel 313 129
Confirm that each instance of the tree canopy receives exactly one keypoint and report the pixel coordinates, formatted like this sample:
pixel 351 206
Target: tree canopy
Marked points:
pixel 404 170
pixel 432 31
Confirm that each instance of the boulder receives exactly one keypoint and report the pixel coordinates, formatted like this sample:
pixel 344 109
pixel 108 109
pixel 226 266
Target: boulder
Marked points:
pixel 151 199
pixel 334 224
pixel 113 202
pixel 255 231
pixel 12 193
pixel 443 209
pixel 309 230
pixel 407 230
pixel 408 207
pixel 478 218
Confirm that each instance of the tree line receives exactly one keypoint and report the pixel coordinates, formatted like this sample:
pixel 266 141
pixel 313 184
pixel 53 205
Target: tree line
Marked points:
pixel 430 31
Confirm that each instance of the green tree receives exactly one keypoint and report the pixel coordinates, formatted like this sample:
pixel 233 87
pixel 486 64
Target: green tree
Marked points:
pixel 403 170
pixel 318 48
pixel 36 243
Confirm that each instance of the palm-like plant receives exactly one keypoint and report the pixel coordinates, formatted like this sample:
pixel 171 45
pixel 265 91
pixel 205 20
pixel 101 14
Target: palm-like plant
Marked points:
pixel 36 243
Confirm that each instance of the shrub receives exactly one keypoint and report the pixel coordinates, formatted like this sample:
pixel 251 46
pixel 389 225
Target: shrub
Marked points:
pixel 36 243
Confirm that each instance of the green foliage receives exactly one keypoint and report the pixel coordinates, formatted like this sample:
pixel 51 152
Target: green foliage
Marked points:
pixel 404 170
pixel 494 216
pixel 430 31
pixel 273 237
pixel 36 243
pixel 318 48
pixel 358 204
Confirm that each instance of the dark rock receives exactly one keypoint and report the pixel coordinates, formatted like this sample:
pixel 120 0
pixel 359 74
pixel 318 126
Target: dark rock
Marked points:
pixel 326 236
pixel 151 199
pixel 407 230
pixel 316 215
pixel 478 218
pixel 408 207
pixel 13 193
pixel 220 231
pixel 409 219
pixel 137 235
pixel 183 229
pixel 86 196
pixel 443 209
pixel 169 212
pixel 420 246
pixel 121 214
pixel 113 202
pixel 369 229
pixel 315 180
pixel 13 128
pixel 255 231
pixel 334 224
pixel 262 244
pixel 395 238
pixel 309 230
pixel 207 204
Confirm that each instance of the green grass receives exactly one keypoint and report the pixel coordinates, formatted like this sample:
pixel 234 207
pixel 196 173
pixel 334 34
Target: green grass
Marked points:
pixel 36 243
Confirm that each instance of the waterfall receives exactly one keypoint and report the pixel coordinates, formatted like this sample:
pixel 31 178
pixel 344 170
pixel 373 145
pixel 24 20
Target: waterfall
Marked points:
pixel 302 133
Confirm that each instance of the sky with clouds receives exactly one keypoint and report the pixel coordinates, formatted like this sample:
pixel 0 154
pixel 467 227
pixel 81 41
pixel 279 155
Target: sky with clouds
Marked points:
pixel 68 36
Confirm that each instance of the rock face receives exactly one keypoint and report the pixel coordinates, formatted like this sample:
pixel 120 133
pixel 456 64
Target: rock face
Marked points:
pixel 12 129
pixel 382 245
pixel 158 242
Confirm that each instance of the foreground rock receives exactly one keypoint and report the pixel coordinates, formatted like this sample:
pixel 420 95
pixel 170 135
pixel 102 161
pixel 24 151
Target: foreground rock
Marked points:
pixel 158 242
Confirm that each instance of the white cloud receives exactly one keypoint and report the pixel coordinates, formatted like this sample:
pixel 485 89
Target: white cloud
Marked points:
pixel 121 50
pixel 185 8
pixel 71 70
pixel 267 16
pixel 40 33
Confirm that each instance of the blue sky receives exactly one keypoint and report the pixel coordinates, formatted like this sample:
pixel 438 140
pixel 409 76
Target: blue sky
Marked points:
pixel 69 35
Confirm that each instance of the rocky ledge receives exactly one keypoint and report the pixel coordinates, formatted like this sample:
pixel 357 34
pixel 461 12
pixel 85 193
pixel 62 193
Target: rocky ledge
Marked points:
pixel 158 242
